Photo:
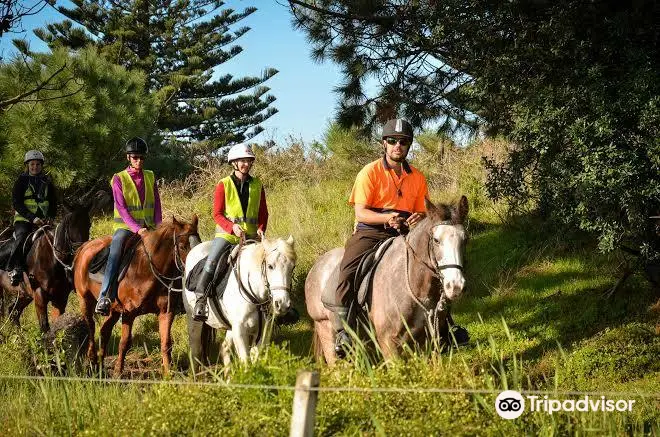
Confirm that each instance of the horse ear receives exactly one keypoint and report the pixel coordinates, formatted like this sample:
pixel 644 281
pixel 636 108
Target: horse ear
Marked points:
pixel 195 221
pixel 431 210
pixel 174 220
pixel 289 240
pixel 463 208
pixel 459 215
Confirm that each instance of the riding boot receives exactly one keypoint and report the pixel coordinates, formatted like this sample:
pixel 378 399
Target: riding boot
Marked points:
pixel 16 276
pixel 199 312
pixel 342 338
pixel 457 335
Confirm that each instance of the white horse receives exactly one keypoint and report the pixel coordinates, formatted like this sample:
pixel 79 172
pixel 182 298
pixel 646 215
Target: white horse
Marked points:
pixel 265 271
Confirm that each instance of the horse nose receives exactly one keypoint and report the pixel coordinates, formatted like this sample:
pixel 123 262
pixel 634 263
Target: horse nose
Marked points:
pixel 454 287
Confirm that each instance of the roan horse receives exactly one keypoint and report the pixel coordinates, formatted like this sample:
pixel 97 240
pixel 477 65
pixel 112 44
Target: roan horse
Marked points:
pixel 48 277
pixel 155 267
pixel 417 277
pixel 260 277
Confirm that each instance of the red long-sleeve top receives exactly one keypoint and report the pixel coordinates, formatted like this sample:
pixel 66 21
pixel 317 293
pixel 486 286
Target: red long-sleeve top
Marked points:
pixel 219 210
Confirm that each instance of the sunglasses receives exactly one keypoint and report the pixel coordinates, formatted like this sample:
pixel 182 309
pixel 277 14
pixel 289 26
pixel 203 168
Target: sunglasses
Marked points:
pixel 137 157
pixel 406 142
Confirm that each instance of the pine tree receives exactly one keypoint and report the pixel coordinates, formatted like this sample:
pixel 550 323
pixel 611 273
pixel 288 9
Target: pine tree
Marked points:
pixel 177 44
pixel 79 121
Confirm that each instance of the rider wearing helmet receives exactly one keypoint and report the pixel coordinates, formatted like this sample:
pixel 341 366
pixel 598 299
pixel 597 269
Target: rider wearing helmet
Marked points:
pixel 239 210
pixel 388 197
pixel 34 201
pixel 137 210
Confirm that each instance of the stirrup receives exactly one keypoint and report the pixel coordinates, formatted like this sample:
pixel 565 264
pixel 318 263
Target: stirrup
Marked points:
pixel 200 313
pixel 103 306
pixel 343 343
pixel 15 277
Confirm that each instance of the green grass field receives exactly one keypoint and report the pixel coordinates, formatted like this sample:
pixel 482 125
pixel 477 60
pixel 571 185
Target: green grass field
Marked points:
pixel 534 308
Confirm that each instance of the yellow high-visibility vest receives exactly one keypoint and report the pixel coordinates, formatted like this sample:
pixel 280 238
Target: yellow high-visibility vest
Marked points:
pixel 33 204
pixel 141 213
pixel 234 211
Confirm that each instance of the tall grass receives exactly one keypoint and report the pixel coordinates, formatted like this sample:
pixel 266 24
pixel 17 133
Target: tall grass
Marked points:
pixel 534 311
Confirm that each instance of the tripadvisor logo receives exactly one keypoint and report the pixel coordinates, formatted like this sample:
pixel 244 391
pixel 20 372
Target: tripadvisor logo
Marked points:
pixel 510 404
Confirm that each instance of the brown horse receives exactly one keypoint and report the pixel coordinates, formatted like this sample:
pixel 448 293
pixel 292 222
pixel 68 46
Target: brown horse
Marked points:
pixel 417 277
pixel 159 259
pixel 48 277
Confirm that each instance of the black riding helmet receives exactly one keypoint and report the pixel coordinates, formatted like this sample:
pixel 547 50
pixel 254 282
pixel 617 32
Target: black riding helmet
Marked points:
pixel 137 145
pixel 397 127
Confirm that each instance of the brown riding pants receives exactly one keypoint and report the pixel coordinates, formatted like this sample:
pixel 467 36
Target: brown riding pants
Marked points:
pixel 359 243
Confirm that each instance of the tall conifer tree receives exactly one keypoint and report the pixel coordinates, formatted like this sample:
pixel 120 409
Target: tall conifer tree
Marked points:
pixel 178 44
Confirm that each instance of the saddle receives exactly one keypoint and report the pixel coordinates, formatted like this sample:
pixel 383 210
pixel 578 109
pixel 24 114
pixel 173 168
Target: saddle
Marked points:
pixel 362 284
pixel 100 260
pixel 365 272
pixel 218 283
pixel 220 276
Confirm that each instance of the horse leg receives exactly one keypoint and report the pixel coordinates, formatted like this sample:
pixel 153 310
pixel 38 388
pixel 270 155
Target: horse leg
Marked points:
pixel 165 320
pixel 325 333
pixel 241 339
pixel 195 341
pixel 226 348
pixel 59 306
pixel 124 343
pixel 41 307
pixel 15 311
pixel 106 330
pixel 87 311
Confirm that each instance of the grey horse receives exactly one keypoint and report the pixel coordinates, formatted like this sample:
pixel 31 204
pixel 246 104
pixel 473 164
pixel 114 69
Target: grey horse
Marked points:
pixel 418 276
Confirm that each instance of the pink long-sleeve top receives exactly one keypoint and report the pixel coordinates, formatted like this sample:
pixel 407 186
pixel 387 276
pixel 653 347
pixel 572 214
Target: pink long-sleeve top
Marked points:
pixel 120 202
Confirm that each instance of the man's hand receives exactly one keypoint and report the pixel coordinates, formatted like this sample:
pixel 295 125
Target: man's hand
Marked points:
pixel 415 218
pixel 260 234
pixel 237 230
pixel 37 221
pixel 142 231
pixel 394 221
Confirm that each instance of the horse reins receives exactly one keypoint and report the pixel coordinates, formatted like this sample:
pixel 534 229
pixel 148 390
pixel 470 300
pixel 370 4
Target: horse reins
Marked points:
pixel 178 263
pixel 436 271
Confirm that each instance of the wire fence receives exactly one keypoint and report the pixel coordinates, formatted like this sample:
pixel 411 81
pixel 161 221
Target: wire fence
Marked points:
pixel 400 390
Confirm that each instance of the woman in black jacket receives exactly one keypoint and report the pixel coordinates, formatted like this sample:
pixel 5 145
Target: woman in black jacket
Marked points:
pixel 34 201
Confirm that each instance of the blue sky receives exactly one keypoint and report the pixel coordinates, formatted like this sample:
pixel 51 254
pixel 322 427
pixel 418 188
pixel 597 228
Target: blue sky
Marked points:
pixel 302 87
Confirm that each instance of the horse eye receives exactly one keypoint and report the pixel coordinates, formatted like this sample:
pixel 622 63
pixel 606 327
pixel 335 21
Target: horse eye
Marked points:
pixel 435 240
pixel 270 266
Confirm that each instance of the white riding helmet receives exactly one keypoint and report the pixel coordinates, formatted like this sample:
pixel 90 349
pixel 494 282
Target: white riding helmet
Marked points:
pixel 240 150
pixel 31 155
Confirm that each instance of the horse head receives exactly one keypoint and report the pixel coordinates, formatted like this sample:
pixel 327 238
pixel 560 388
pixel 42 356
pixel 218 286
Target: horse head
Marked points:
pixel 446 245
pixel 186 236
pixel 74 228
pixel 279 259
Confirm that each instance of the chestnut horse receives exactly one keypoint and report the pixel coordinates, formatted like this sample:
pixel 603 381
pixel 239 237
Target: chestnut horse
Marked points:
pixel 48 277
pixel 419 274
pixel 156 266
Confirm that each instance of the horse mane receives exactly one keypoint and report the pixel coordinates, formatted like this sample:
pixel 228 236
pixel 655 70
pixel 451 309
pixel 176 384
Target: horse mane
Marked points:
pixel 259 253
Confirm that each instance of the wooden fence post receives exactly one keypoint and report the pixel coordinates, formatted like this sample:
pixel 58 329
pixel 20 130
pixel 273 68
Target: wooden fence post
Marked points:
pixel 304 404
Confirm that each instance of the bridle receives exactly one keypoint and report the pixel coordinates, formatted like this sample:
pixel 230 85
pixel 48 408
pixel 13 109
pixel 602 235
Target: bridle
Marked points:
pixel 247 293
pixel 436 270
pixel 167 281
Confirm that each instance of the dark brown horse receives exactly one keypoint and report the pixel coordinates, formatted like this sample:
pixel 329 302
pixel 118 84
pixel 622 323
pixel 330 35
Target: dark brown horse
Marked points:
pixel 417 277
pixel 158 259
pixel 48 277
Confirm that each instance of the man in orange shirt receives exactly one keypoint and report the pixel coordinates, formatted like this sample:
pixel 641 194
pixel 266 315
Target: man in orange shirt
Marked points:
pixel 388 197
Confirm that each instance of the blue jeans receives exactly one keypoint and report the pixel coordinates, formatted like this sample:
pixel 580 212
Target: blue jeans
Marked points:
pixel 217 247
pixel 112 267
